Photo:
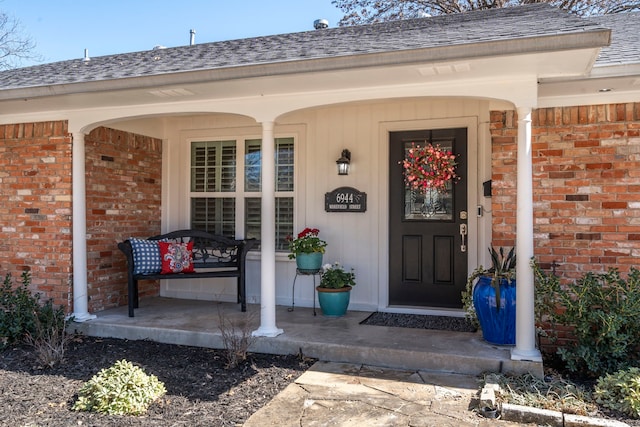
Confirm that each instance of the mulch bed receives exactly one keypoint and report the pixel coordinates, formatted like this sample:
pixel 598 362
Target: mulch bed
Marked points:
pixel 443 323
pixel 200 390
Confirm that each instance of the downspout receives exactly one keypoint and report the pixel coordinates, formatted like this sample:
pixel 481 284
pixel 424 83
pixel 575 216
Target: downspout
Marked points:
pixel 79 230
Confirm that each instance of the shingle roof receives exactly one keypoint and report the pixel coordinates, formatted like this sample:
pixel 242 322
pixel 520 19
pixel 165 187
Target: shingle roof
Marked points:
pixel 625 41
pixel 536 20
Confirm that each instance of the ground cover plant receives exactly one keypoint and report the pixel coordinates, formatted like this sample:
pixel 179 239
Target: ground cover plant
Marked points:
pixel 200 389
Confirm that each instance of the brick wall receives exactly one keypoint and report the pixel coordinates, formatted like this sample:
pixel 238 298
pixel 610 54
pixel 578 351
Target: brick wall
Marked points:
pixel 35 206
pixel 586 185
pixel 586 166
pixel 124 173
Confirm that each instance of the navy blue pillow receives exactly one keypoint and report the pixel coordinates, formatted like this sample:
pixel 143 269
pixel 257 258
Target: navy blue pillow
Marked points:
pixel 146 256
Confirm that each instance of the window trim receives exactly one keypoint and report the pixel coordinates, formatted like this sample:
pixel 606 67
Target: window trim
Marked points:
pixel 240 135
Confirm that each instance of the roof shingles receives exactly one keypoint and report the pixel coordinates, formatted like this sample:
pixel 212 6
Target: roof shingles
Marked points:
pixel 536 20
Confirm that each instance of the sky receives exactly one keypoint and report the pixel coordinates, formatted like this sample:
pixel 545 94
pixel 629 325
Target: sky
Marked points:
pixel 63 29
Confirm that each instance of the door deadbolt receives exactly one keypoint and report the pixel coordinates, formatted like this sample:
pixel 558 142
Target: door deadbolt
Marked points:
pixel 464 215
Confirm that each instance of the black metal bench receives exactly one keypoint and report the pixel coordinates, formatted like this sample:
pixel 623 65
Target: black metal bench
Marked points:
pixel 213 257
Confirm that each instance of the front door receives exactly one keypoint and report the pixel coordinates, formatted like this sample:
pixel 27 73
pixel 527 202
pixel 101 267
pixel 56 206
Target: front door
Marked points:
pixel 427 241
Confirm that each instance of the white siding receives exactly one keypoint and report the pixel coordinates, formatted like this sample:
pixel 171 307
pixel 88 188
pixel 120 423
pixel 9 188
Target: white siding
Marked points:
pixel 357 240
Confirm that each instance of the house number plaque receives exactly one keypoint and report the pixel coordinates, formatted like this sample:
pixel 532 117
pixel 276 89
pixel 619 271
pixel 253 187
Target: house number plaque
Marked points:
pixel 345 199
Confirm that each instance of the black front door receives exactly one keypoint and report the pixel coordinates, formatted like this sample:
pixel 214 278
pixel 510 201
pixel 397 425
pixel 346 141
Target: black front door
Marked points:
pixel 427 249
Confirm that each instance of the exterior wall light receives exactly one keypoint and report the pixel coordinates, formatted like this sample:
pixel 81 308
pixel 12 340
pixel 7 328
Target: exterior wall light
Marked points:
pixel 343 162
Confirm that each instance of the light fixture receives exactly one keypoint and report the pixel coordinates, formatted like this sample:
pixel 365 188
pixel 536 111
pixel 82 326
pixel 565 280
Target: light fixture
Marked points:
pixel 343 162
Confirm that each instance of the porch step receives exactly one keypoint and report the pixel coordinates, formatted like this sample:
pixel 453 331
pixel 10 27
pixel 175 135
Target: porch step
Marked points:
pixel 196 323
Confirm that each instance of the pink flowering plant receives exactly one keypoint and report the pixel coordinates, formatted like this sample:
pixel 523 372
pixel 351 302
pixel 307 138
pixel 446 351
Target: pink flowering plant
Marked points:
pixel 307 242
pixel 429 167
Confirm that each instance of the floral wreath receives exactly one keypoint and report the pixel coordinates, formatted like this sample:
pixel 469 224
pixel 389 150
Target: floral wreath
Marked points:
pixel 429 167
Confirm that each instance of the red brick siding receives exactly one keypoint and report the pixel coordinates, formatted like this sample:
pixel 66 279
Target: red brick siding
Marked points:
pixel 586 166
pixel 35 206
pixel 124 177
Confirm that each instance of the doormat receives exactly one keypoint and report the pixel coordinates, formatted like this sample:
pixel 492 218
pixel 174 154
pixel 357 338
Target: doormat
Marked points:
pixel 420 321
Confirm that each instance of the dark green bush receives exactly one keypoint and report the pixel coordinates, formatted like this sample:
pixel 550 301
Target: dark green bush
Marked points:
pixel 22 314
pixel 603 310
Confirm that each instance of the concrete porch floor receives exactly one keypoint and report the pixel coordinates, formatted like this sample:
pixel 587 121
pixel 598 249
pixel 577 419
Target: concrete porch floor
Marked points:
pixel 196 323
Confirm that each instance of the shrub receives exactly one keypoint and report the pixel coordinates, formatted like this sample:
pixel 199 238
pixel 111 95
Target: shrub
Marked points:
pixel 22 315
pixel 620 391
pixel 17 310
pixel 50 338
pixel 119 390
pixel 603 310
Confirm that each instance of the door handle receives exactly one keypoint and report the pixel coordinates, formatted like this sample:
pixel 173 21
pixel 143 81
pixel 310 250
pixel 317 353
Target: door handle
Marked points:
pixel 463 235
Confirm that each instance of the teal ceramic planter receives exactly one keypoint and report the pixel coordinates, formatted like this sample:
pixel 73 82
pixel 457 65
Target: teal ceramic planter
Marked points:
pixel 309 263
pixel 334 302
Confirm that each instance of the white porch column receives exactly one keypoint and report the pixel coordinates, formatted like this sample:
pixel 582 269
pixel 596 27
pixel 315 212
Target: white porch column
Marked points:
pixel 525 348
pixel 268 326
pixel 79 230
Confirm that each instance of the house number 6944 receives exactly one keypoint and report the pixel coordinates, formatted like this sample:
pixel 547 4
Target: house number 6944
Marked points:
pixel 344 197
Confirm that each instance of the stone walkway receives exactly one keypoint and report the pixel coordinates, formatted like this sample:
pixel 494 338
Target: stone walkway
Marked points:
pixel 353 395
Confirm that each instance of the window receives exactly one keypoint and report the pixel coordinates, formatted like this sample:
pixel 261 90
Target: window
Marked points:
pixel 226 188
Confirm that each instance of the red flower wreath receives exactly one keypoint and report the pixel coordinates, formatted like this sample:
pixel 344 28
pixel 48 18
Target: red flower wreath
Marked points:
pixel 429 167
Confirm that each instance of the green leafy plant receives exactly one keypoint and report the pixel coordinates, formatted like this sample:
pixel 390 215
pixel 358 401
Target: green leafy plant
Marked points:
pixel 620 391
pixel 23 318
pixel 119 390
pixel 334 276
pixel 18 308
pixel 307 242
pixel 603 311
pixel 502 267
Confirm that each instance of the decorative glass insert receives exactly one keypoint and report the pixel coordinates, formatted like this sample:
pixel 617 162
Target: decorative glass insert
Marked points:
pixel 428 203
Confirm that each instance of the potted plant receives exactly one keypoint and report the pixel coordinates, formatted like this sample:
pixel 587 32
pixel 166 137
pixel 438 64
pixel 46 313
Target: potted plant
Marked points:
pixel 491 301
pixel 307 249
pixel 334 290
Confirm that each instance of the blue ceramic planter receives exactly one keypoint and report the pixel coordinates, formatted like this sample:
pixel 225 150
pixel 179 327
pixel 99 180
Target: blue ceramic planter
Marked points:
pixel 334 302
pixel 498 326
pixel 309 263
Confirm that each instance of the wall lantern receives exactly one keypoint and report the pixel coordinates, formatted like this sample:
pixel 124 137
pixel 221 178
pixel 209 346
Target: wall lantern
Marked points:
pixel 343 162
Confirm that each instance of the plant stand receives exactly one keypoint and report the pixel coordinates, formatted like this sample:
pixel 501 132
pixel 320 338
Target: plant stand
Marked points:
pixel 312 273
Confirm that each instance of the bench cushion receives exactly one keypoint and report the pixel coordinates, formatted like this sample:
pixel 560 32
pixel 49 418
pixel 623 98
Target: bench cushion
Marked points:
pixel 176 257
pixel 146 256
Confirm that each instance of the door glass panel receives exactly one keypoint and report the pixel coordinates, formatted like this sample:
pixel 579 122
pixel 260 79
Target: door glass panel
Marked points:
pixel 428 203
